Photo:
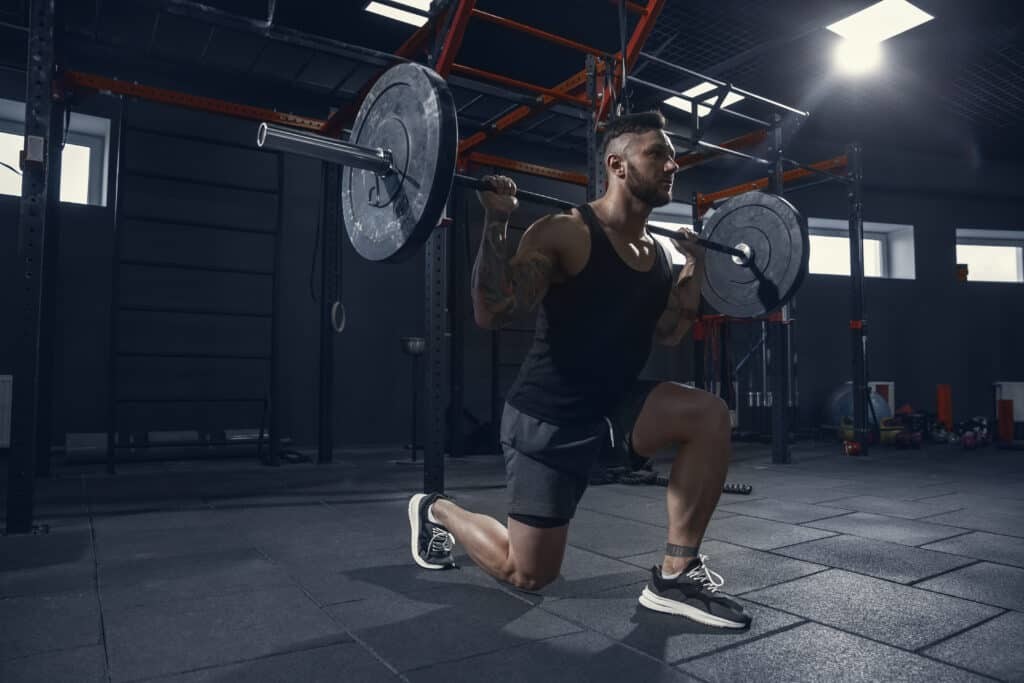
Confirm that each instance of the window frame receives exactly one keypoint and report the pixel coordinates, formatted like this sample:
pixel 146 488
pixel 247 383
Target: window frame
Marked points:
pixel 890 268
pixel 977 237
pixel 84 130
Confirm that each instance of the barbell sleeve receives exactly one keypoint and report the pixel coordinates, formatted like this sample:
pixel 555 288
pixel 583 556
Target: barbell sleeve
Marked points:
pixel 284 139
pixel 707 244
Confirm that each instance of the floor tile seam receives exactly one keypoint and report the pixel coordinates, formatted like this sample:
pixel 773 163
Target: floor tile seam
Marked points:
pixel 627 519
pixel 991 533
pixel 962 631
pixel 506 648
pixel 872 639
pixel 824 568
pixel 612 557
pixel 842 513
pixel 344 629
pixel 116 608
pixel 236 662
pixel 48 652
pixel 960 597
pixel 960 530
pixel 965 532
pixel 972 563
pixel 801 621
pixel 96 586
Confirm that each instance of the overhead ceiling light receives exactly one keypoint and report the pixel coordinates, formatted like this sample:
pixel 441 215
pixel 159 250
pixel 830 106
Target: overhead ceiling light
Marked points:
pixel 398 14
pixel 421 5
pixel 880 21
pixel 695 92
pixel 856 58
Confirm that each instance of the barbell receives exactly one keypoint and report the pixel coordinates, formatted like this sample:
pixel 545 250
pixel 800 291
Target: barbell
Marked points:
pixel 399 166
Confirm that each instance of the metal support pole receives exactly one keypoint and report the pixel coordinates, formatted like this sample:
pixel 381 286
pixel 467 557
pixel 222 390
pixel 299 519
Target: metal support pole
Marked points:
pixel 858 324
pixel 115 288
pixel 274 367
pixel 593 170
pixel 33 265
pixel 457 347
pixel 330 232
pixel 435 375
pixel 776 333
pixel 48 314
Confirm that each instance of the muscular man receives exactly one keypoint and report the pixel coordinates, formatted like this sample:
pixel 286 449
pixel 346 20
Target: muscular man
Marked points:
pixel 605 289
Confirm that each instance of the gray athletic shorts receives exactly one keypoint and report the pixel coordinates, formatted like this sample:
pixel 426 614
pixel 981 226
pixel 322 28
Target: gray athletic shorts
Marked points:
pixel 547 466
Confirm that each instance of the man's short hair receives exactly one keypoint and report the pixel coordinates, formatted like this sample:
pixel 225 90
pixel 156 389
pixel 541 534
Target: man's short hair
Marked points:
pixel 641 122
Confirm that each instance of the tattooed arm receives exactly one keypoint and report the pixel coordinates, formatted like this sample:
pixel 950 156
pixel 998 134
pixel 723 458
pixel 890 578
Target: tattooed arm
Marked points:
pixel 505 286
pixel 683 305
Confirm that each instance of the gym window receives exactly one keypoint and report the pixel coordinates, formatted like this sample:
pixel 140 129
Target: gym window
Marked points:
pixel 83 178
pixel 991 255
pixel 888 249
pixel 672 216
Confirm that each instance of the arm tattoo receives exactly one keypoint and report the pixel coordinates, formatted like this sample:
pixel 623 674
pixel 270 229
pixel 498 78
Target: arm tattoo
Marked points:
pixel 508 286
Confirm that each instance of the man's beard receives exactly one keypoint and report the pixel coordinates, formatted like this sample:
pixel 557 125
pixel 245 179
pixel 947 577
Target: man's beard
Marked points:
pixel 650 192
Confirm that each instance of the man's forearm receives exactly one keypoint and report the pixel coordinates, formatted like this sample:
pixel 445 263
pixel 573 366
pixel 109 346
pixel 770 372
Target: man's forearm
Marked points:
pixel 490 285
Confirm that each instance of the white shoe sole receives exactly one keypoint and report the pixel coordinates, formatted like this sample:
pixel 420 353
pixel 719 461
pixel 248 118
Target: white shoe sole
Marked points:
pixel 652 601
pixel 414 533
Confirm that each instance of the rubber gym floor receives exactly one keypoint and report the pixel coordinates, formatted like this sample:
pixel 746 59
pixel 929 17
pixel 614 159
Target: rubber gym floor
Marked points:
pixel 897 566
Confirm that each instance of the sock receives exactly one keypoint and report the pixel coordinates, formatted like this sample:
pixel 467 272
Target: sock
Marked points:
pixel 430 516
pixel 671 576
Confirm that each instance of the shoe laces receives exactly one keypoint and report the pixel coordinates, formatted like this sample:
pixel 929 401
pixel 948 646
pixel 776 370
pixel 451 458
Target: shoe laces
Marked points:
pixel 441 541
pixel 711 581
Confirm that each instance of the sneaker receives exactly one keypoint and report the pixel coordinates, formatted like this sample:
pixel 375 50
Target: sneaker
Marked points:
pixel 431 544
pixel 694 595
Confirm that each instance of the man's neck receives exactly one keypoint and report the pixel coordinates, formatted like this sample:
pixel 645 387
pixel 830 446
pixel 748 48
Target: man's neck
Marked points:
pixel 622 213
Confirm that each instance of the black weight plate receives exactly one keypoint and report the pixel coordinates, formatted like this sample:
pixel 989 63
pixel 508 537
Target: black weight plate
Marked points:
pixel 777 233
pixel 411 112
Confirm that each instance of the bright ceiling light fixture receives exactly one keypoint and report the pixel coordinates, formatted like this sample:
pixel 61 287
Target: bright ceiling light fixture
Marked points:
pixel 880 21
pixel 400 14
pixel 860 50
pixel 695 92
pixel 856 58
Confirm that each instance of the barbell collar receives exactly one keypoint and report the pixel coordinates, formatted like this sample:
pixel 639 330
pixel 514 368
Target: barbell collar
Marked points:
pixel 284 139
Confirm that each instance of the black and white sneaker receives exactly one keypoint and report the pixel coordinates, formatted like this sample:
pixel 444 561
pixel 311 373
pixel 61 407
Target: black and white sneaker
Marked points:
pixel 694 595
pixel 431 544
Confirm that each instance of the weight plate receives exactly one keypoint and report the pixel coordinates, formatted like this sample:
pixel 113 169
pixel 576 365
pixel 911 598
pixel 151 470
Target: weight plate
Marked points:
pixel 410 112
pixel 776 232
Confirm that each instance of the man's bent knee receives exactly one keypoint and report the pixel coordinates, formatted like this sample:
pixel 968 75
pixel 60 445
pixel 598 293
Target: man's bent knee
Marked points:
pixel 531 582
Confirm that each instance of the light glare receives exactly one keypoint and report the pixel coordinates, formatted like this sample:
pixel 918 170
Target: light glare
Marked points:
pixel 695 92
pixel 880 21
pixel 396 14
pixel 856 58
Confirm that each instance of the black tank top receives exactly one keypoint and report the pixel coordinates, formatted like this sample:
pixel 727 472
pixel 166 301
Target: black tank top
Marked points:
pixel 593 334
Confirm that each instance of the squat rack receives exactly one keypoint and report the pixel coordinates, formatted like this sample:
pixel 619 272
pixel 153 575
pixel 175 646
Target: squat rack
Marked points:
pixel 600 80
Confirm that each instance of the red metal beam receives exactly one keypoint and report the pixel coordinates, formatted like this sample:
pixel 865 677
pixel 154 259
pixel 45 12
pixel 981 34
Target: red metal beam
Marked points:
pixel 77 79
pixel 697 158
pixel 524 167
pixel 569 86
pixel 522 85
pixel 537 33
pixel 520 113
pixel 453 41
pixel 410 49
pixel 643 29
pixel 630 6
pixel 704 201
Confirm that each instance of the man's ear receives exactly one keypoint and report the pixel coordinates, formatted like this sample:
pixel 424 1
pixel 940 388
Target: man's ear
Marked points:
pixel 616 164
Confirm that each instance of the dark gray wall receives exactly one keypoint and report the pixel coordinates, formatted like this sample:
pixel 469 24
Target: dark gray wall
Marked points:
pixel 923 332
